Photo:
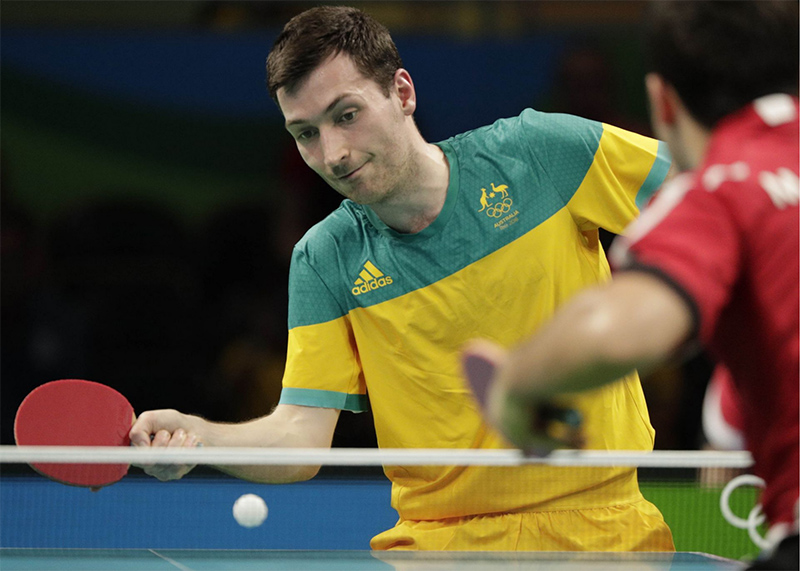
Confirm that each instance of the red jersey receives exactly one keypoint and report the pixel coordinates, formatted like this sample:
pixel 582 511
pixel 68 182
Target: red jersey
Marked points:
pixel 722 412
pixel 726 238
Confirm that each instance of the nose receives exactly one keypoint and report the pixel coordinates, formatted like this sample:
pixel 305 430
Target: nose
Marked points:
pixel 334 149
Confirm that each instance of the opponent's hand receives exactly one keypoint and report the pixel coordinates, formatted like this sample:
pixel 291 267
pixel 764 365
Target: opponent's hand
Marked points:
pixel 535 427
pixel 170 429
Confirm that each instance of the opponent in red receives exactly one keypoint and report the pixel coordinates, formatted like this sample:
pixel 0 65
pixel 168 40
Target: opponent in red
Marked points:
pixel 714 259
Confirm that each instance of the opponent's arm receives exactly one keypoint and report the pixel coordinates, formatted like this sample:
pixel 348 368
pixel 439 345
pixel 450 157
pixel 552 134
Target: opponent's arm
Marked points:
pixel 635 322
pixel 289 426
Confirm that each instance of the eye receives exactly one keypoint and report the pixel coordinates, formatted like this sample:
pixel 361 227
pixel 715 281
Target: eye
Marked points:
pixel 305 135
pixel 348 116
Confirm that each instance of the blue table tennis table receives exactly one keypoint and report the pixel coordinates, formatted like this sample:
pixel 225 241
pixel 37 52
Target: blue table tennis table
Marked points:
pixel 265 560
pixel 141 524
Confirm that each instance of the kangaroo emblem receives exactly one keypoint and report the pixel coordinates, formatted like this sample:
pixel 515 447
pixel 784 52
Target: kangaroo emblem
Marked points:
pixel 484 200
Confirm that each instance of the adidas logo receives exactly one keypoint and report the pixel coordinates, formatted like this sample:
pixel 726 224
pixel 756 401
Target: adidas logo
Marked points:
pixel 370 278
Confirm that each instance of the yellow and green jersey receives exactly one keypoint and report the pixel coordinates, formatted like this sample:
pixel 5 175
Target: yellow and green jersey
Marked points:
pixel 379 317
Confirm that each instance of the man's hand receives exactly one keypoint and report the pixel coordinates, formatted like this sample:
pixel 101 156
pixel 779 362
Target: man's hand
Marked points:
pixel 169 429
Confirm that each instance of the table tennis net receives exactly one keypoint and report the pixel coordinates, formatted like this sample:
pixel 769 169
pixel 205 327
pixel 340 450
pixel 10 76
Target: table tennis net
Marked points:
pixel 708 499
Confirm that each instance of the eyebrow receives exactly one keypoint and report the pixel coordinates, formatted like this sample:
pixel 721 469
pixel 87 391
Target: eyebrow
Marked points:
pixel 328 109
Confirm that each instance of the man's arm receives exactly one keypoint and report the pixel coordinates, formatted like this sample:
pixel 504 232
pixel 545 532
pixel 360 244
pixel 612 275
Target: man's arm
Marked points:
pixel 636 321
pixel 288 426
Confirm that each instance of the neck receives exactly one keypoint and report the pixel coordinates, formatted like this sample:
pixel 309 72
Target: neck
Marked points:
pixel 424 193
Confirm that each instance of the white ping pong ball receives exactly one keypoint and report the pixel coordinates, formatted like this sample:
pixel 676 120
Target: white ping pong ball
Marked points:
pixel 250 510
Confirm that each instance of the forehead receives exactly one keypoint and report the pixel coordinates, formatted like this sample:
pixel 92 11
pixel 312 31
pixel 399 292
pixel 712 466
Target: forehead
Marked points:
pixel 331 80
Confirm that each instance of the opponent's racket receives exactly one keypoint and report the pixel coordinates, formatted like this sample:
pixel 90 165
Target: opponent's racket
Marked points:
pixel 551 426
pixel 74 412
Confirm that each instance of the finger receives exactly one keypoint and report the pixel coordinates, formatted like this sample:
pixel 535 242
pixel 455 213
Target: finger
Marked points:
pixel 542 446
pixel 516 421
pixel 555 427
pixel 141 430
pixel 536 429
pixel 161 438
pixel 548 413
pixel 177 439
pixel 180 439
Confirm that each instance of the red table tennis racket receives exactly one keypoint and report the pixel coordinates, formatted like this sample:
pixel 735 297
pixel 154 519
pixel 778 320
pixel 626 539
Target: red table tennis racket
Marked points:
pixel 73 412
pixel 479 371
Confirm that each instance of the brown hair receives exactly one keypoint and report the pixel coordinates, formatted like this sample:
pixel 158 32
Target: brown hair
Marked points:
pixel 312 36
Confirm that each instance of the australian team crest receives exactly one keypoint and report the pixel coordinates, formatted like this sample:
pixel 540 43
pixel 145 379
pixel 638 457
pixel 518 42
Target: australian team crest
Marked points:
pixel 497 203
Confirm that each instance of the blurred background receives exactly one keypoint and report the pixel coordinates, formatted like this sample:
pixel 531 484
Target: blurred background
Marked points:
pixel 151 197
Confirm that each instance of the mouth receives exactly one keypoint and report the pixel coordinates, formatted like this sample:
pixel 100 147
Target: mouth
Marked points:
pixel 349 175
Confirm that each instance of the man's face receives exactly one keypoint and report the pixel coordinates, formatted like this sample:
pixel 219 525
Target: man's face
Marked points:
pixel 349 131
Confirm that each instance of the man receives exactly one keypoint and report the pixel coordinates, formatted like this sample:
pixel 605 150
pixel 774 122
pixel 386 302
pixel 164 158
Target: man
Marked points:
pixel 713 260
pixel 483 234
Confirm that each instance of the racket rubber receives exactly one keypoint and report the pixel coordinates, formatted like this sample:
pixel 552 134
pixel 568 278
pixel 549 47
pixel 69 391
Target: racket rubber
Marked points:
pixel 75 412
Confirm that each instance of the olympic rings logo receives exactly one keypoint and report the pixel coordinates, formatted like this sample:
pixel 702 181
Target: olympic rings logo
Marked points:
pixel 497 209
pixel 754 518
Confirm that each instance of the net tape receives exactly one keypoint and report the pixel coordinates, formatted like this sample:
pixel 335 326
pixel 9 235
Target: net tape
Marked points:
pixel 371 457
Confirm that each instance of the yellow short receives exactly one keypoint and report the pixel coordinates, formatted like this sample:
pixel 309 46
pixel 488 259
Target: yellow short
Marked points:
pixel 637 526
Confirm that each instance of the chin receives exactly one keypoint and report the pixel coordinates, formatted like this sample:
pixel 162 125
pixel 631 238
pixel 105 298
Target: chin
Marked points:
pixel 364 199
pixel 362 195
pixel 356 196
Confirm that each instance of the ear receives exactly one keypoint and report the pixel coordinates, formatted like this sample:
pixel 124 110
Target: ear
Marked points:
pixel 404 88
pixel 662 99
